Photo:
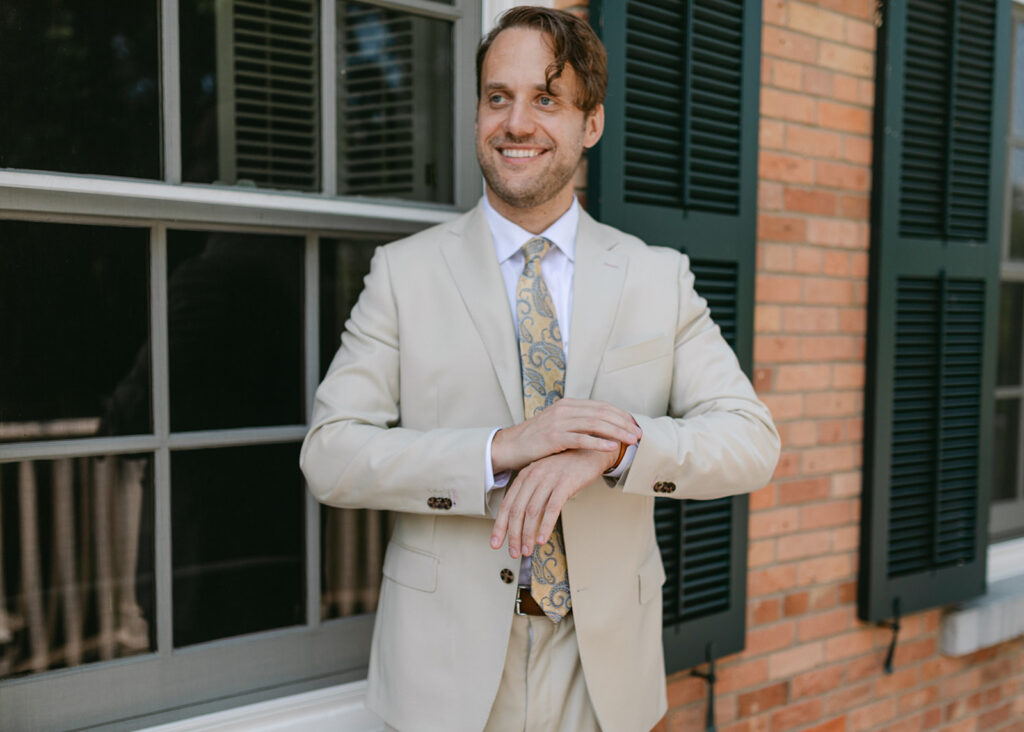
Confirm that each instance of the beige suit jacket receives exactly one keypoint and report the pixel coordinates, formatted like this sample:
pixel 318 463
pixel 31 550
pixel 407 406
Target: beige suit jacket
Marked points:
pixel 428 366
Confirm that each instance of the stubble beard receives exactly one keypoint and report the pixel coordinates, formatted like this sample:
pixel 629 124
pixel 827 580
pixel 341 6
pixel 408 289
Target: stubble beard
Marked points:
pixel 531 192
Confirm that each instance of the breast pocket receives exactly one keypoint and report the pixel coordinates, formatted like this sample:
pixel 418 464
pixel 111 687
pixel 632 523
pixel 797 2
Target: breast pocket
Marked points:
pixel 635 354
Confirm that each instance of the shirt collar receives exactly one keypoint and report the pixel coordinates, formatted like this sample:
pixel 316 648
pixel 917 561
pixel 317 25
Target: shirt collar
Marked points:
pixel 509 237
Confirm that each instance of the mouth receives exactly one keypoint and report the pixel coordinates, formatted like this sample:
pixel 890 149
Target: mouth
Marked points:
pixel 511 153
pixel 520 153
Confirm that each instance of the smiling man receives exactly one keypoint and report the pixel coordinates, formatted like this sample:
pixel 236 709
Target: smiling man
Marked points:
pixel 519 385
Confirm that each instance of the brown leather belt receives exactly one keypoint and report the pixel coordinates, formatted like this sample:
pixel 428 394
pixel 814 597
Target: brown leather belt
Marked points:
pixel 525 604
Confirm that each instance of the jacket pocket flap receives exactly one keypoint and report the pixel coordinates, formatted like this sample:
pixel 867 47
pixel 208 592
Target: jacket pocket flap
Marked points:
pixel 651 576
pixel 625 356
pixel 411 568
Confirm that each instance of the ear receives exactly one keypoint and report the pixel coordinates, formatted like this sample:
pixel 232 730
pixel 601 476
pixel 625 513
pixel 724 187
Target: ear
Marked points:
pixel 593 126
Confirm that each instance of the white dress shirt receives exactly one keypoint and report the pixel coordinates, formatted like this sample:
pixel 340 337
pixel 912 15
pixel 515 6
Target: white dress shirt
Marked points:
pixel 557 269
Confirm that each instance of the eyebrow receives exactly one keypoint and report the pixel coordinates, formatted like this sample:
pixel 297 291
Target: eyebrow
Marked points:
pixel 499 85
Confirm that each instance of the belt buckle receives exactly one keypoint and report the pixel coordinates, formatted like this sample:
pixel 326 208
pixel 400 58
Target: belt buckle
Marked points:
pixel 519 600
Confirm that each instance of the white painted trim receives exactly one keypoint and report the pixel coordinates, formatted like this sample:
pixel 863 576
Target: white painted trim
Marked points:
pixel 25 191
pixel 1006 559
pixel 334 709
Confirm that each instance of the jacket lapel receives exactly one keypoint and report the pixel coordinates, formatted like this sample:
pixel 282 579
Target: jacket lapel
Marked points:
pixel 599 275
pixel 469 254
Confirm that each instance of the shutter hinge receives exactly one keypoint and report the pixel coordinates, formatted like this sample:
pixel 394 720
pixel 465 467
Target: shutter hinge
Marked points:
pixel 879 12
pixel 895 625
pixel 709 676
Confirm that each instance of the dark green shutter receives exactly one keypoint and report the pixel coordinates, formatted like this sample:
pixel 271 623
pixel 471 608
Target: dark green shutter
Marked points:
pixel 940 122
pixel 677 166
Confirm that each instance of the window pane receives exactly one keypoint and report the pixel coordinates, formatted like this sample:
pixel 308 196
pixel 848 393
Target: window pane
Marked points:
pixel 235 328
pixel 250 104
pixel 1011 315
pixel 237 543
pixel 74 324
pixel 1017 211
pixel 394 104
pixel 352 544
pixel 80 86
pixel 343 265
pixel 76 562
pixel 1006 450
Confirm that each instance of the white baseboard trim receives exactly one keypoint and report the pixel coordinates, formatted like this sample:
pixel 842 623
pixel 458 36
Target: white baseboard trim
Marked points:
pixel 334 709
pixel 1005 560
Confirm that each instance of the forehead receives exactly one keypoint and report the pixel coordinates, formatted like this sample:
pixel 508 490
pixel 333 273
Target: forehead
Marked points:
pixel 522 56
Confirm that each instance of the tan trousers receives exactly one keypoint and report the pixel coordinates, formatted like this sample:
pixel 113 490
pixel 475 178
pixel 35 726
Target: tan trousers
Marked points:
pixel 542 687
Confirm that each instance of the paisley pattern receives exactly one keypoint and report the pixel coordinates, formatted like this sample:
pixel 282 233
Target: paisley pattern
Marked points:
pixel 543 361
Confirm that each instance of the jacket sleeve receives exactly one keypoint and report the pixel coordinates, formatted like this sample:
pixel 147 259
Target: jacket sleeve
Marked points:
pixel 357 454
pixel 718 438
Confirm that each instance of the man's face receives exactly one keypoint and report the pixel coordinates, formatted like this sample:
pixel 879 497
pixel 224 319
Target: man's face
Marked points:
pixel 528 140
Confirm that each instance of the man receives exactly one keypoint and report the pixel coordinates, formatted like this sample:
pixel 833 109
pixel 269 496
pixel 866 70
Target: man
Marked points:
pixel 522 584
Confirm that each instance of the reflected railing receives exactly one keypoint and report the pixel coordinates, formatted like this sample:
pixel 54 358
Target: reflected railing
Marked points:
pixel 71 531
pixel 354 542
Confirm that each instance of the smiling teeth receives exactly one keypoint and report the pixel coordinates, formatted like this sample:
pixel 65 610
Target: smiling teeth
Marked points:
pixel 520 153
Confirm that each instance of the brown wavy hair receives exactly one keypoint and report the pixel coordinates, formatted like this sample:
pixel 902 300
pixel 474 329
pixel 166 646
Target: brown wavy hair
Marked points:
pixel 573 42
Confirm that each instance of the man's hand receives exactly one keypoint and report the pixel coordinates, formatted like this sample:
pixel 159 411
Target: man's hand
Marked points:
pixel 568 424
pixel 538 493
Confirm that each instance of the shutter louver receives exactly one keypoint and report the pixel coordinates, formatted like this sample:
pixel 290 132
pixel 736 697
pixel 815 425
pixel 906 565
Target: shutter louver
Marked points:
pixel 682 120
pixel 940 120
pixel 936 428
pixel 713 144
pixel 272 137
pixel 377 137
pixel 947 119
pixel 654 103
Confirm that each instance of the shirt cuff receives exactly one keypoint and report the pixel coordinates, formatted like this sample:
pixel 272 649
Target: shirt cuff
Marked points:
pixel 492 481
pixel 623 466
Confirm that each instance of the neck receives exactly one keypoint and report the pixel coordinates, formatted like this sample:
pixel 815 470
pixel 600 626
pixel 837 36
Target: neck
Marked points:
pixel 535 219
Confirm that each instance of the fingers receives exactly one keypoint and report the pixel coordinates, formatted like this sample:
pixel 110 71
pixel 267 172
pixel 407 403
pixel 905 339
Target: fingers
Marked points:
pixel 534 500
pixel 524 503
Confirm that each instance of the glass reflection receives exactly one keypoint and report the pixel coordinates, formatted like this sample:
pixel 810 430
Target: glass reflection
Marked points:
pixel 80 86
pixel 76 562
pixel 237 546
pixel 352 545
pixel 1005 449
pixel 74 325
pixel 1017 206
pixel 395 100
pixel 1011 322
pixel 344 263
pixel 234 305
pixel 250 93
pixel 352 541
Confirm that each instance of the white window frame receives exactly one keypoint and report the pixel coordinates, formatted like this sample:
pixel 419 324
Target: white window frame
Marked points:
pixel 171 683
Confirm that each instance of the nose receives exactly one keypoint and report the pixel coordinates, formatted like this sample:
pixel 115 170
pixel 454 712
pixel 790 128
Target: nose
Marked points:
pixel 519 122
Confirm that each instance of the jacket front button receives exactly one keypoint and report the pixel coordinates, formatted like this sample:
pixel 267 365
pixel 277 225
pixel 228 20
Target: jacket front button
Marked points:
pixel 664 487
pixel 507 576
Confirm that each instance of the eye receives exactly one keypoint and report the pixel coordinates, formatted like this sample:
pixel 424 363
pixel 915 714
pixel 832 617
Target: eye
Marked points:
pixel 496 98
pixel 546 101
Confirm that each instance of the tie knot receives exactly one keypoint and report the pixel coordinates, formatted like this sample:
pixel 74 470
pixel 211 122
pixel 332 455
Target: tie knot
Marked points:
pixel 535 249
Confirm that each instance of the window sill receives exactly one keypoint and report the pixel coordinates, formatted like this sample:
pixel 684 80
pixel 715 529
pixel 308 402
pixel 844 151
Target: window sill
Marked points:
pixel 338 708
pixel 996 617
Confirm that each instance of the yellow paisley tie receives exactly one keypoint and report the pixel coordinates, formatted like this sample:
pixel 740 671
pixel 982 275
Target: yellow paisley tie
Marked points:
pixel 543 360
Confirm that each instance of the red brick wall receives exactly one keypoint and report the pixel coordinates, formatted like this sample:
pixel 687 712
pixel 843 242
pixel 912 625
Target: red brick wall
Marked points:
pixel 809 664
